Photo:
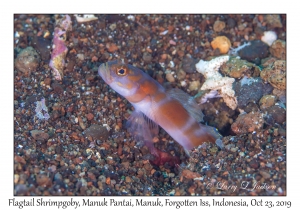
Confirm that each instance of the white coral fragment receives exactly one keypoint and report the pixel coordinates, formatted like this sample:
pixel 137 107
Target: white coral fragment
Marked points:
pixel 41 110
pixel 269 37
pixel 85 18
pixel 131 17
pixel 215 81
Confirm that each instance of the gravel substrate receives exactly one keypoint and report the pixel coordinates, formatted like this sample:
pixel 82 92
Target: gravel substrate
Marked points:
pixel 70 136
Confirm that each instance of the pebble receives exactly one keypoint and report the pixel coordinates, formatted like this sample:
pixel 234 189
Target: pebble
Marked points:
pixel 231 23
pixel 147 57
pixel 21 189
pixel 219 25
pixel 222 43
pixel 16 178
pixel 181 75
pixel 81 123
pixel 281 131
pixel 80 57
pixel 281 94
pixel 113 182
pixel 269 37
pixel 170 77
pixel 269 165
pixel 275 133
pixel 52 168
pixel 191 190
pixel 23 178
pixel 188 64
pixel 265 174
pixel 43 180
pixel 254 52
pixel 171 175
pixel 102 178
pixel 39 135
pixel 234 149
pixel 172 42
pixel 112 47
pixel 278 49
pixel 43 47
pixel 267 101
pixel 273 21
pixel 70 65
pixel 128 179
pixel 275 74
pixel 183 83
pixel 58 176
pixel 113 26
pixel 27 60
pixel 194 85
pixel 19 159
pixel 58 88
pixel 267 61
pixel 47 81
pixel 251 91
pixel 90 116
pixel 254 164
pixel 97 132
pixel 238 68
pixel 247 123
pixel 107 181
pixel 275 114
pixel 242 26
pixel 189 174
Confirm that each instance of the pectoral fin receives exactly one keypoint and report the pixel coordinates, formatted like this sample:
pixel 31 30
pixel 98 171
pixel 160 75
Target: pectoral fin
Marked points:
pixel 142 129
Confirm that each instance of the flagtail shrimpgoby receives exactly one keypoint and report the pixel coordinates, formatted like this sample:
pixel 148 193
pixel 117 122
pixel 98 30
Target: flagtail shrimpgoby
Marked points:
pixel 174 110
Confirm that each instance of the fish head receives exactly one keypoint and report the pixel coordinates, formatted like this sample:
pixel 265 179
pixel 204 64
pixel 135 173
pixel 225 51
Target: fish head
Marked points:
pixel 122 78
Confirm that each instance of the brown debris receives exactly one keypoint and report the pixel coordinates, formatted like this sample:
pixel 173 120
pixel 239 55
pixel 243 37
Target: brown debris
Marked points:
pixel 247 123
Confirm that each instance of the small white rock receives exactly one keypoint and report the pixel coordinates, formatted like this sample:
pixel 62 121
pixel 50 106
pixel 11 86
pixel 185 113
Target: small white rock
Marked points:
pixel 164 32
pixel 171 64
pixel 269 37
pixel 131 17
pixel 80 57
pixel 183 83
pixel 85 18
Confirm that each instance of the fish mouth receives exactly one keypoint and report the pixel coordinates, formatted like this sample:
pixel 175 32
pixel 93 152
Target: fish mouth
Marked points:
pixel 104 72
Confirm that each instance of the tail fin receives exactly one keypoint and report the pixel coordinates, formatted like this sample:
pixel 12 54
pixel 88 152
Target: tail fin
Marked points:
pixel 215 133
pixel 212 131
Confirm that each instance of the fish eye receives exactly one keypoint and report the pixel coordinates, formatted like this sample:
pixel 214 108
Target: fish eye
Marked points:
pixel 121 72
